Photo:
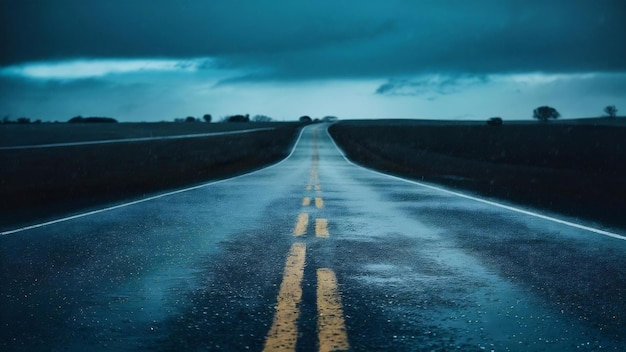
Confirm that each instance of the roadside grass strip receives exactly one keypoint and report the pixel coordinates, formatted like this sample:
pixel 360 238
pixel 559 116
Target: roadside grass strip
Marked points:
pixel 131 140
pixel 148 199
pixel 481 200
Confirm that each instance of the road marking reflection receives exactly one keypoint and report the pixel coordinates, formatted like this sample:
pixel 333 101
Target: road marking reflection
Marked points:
pixel 283 334
pixel 331 326
pixel 306 201
pixel 321 228
pixel 319 202
pixel 301 225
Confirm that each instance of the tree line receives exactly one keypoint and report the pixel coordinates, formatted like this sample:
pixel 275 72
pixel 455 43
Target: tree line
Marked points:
pixel 542 113
pixel 230 118
pixel 6 120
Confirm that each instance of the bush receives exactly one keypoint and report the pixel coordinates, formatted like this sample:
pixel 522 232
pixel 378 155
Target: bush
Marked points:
pixel 80 119
pixel 543 113
pixel 238 118
pixel 495 121
pixel 261 118
pixel 611 110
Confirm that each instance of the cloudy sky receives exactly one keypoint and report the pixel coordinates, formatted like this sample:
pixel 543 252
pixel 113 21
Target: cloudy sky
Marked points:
pixel 152 60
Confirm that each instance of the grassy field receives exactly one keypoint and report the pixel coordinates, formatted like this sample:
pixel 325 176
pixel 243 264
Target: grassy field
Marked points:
pixel 47 133
pixel 37 184
pixel 574 167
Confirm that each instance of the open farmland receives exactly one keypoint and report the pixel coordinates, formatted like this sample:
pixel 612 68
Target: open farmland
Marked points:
pixel 47 182
pixel 573 167
pixel 47 133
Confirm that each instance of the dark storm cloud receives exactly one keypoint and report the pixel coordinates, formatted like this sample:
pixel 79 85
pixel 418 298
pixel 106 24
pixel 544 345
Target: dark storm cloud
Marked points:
pixel 18 89
pixel 327 39
pixel 439 84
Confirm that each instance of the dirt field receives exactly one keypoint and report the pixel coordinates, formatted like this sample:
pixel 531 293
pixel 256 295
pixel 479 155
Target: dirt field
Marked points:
pixel 573 167
pixel 37 184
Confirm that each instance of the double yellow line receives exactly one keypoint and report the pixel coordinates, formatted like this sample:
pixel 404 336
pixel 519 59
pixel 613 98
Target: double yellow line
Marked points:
pixel 321 225
pixel 319 202
pixel 302 224
pixel 331 327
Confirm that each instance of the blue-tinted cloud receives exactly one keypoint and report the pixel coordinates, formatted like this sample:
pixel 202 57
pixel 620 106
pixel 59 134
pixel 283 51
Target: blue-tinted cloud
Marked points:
pixel 82 69
pixel 157 60
pixel 327 39
pixel 430 85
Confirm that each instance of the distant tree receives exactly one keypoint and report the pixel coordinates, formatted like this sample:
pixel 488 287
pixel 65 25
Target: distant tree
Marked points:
pixel 191 119
pixel 6 119
pixel 207 118
pixel 611 110
pixel 238 118
pixel 100 120
pixel 330 118
pixel 23 120
pixel 261 118
pixel 495 121
pixel 543 113
pixel 80 119
pixel 305 119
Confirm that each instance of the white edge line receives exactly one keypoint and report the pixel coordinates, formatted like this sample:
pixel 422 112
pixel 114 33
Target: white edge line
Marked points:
pixel 167 194
pixel 129 140
pixel 492 203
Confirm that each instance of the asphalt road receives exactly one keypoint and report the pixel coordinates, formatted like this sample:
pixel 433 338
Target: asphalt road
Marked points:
pixel 312 254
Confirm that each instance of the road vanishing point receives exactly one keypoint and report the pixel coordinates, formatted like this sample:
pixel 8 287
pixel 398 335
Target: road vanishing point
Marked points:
pixel 312 254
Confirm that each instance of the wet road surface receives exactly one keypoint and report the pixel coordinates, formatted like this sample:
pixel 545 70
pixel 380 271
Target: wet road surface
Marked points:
pixel 312 254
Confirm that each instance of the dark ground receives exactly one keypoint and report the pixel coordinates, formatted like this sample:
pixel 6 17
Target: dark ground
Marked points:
pixel 571 167
pixel 38 184
pixel 45 133
pixel 417 269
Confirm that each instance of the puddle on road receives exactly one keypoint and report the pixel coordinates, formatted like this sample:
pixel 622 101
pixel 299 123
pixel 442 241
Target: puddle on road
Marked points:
pixel 469 307
pixel 439 297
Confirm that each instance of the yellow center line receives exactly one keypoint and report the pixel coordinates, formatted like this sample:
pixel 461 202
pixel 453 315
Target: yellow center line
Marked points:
pixel 301 225
pixel 321 228
pixel 306 202
pixel 308 188
pixel 318 187
pixel 313 178
pixel 319 203
pixel 331 326
pixel 283 334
